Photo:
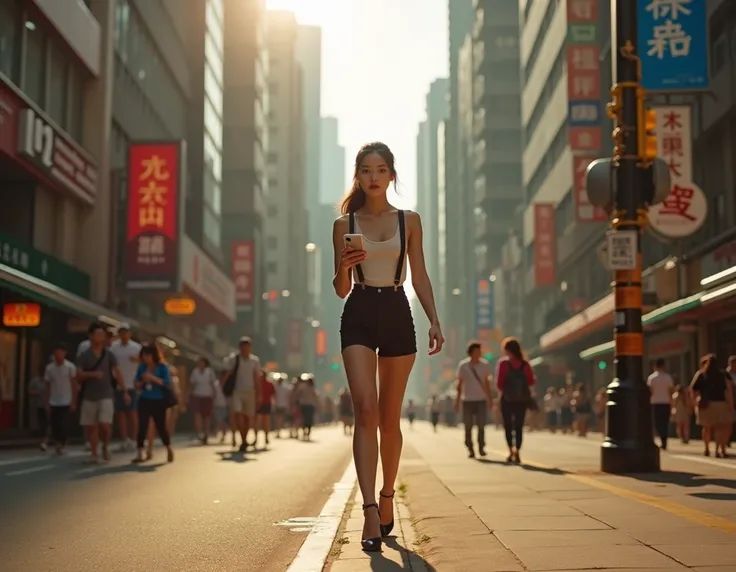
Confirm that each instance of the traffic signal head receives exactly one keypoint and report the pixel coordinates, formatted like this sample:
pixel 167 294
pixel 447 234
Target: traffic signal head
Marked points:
pixel 649 152
pixel 488 356
pixel 335 366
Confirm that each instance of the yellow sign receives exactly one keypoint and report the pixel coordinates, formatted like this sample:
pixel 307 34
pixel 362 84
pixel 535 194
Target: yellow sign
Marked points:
pixel 21 315
pixel 180 306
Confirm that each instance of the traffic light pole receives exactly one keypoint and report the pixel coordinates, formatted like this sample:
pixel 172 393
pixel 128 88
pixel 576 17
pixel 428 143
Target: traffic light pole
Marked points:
pixel 629 446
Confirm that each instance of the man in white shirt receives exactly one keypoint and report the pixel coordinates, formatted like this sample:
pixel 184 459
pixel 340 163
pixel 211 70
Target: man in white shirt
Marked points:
pixel 60 395
pixel 247 392
pixel 474 390
pixel 661 387
pixel 127 352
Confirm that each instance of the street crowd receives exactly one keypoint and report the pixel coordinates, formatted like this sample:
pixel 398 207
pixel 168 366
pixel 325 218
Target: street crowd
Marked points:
pixel 116 383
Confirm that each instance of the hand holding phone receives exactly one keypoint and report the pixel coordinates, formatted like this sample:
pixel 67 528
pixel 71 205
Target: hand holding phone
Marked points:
pixel 354 241
pixel 353 252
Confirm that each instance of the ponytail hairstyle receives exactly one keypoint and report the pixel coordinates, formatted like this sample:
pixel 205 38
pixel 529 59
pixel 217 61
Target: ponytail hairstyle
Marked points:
pixel 513 346
pixel 355 199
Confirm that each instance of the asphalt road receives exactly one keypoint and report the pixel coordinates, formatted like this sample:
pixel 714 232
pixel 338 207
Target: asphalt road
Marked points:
pixel 208 511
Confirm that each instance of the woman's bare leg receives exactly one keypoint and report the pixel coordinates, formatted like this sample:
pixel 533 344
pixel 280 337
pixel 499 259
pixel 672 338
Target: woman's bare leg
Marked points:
pixel 393 375
pixel 360 366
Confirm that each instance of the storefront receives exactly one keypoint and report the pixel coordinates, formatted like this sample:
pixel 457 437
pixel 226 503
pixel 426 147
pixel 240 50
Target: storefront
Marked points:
pixel 677 346
pixel 61 293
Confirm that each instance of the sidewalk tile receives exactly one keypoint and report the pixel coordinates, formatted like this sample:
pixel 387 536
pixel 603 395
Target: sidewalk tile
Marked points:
pixel 572 523
pixel 514 539
pixel 692 554
pixel 621 556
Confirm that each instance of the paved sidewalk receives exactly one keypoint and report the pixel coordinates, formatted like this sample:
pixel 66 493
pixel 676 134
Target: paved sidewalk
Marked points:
pixel 400 550
pixel 485 515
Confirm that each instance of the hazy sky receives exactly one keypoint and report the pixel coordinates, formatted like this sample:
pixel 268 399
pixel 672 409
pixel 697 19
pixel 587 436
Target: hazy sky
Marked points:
pixel 378 59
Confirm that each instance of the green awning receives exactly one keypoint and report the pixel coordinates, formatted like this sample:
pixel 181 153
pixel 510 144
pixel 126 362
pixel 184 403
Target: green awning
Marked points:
pixel 52 295
pixel 657 315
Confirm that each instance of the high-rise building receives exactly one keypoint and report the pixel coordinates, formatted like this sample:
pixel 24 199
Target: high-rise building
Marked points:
pixel 309 56
pixel 332 163
pixel 245 169
pixel 458 213
pixel 286 231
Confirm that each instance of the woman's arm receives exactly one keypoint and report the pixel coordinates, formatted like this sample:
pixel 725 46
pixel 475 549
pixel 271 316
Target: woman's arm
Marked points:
pixel 419 277
pixel 500 375
pixel 343 279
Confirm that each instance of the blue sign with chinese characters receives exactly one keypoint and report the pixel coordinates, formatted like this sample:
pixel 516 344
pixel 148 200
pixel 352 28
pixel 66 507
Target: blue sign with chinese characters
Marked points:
pixel 584 113
pixel 672 42
pixel 485 310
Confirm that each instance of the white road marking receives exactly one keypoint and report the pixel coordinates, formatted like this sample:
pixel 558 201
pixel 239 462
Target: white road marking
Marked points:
pixel 28 471
pixel 313 553
pixel 707 461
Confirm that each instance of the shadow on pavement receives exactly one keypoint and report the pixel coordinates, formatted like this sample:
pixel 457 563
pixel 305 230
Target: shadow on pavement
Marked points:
pixel 683 479
pixel 715 496
pixel 493 462
pixel 382 564
pixel 234 456
pixel 545 470
pixel 102 470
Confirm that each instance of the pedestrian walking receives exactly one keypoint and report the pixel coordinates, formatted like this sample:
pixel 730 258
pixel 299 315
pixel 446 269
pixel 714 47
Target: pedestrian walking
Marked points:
pixel 153 381
pixel 243 385
pixel 514 378
pixel 434 411
pixel 308 403
pixel 203 384
pixel 59 399
pixel 127 352
pixel 474 392
pixel 377 317
pixel 715 404
pixel 99 373
pixel 661 388
pixel 411 413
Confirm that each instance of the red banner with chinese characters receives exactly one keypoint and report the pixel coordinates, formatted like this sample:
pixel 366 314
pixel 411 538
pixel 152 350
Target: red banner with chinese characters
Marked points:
pixel 152 233
pixel 584 211
pixel 545 245
pixel 582 11
pixel 241 271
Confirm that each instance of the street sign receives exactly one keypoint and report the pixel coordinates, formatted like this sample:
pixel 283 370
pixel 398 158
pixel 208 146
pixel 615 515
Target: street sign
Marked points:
pixel 622 249
pixel 181 306
pixel 672 36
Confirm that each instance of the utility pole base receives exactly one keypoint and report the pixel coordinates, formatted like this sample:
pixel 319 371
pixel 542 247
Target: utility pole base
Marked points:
pixel 629 458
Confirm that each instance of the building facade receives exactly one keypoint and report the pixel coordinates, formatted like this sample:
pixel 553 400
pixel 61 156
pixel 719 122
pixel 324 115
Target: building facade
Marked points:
pixel 287 250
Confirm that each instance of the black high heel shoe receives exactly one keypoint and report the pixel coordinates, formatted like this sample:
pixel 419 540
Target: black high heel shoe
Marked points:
pixel 387 528
pixel 372 544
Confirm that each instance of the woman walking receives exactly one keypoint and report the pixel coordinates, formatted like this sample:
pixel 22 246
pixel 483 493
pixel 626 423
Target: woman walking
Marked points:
pixel 152 381
pixel 377 318
pixel 203 383
pixel 714 400
pixel 514 378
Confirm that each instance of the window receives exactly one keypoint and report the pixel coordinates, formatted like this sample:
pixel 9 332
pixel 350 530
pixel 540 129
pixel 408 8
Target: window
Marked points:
pixel 213 57
pixel 212 157
pixel 272 267
pixel 212 123
pixel 57 96
pixel 35 64
pixel 212 229
pixel 10 40
pixel 539 40
pixel 76 102
pixel 212 89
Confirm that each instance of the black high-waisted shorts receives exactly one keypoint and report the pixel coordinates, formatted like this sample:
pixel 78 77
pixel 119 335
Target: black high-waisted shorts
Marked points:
pixel 379 319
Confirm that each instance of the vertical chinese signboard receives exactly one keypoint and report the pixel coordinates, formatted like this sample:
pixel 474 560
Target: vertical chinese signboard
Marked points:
pixel 584 113
pixel 241 272
pixel 153 226
pixel 672 39
pixel 545 245
pixel 685 209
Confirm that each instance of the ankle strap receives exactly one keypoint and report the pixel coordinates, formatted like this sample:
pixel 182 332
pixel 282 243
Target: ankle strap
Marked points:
pixel 371 505
pixel 387 496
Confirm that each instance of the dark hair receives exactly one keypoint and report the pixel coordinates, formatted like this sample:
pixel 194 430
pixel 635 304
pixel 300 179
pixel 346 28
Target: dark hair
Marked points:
pixel 659 362
pixel 709 364
pixel 355 198
pixel 94 326
pixel 513 346
pixel 472 346
pixel 60 346
pixel 205 360
pixel 153 351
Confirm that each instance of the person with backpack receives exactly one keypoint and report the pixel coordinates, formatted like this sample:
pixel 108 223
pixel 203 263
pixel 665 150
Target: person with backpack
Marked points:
pixel 514 379
pixel 474 391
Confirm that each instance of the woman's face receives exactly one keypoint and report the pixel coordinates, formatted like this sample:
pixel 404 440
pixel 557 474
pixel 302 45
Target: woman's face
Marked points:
pixel 374 175
pixel 147 359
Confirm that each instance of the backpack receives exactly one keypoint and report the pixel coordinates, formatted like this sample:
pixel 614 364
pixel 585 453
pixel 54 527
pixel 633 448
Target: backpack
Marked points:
pixel 516 386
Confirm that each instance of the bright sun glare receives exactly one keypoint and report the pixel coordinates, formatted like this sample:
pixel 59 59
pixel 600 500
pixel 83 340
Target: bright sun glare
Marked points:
pixel 308 12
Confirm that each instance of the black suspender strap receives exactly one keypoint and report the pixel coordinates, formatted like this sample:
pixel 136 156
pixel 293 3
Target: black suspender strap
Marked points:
pixel 358 269
pixel 402 254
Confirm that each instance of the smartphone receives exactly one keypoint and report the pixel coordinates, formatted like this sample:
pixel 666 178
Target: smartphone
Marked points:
pixel 354 241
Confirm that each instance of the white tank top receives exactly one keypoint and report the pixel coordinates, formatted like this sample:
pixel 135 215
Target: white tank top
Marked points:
pixel 379 266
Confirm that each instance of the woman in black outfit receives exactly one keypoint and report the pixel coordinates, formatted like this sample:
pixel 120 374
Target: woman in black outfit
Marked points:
pixel 514 379
pixel 714 399
pixel 377 317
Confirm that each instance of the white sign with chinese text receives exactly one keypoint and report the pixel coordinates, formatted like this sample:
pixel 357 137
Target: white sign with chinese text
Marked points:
pixel 685 209
pixel 622 248
pixel 199 273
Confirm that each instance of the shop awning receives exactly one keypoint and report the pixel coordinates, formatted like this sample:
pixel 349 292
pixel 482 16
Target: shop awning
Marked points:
pixel 190 350
pixel 48 293
pixel 667 311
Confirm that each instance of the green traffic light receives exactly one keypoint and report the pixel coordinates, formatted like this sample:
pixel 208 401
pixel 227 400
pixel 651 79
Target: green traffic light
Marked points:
pixel 489 356
pixel 335 366
pixel 602 365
